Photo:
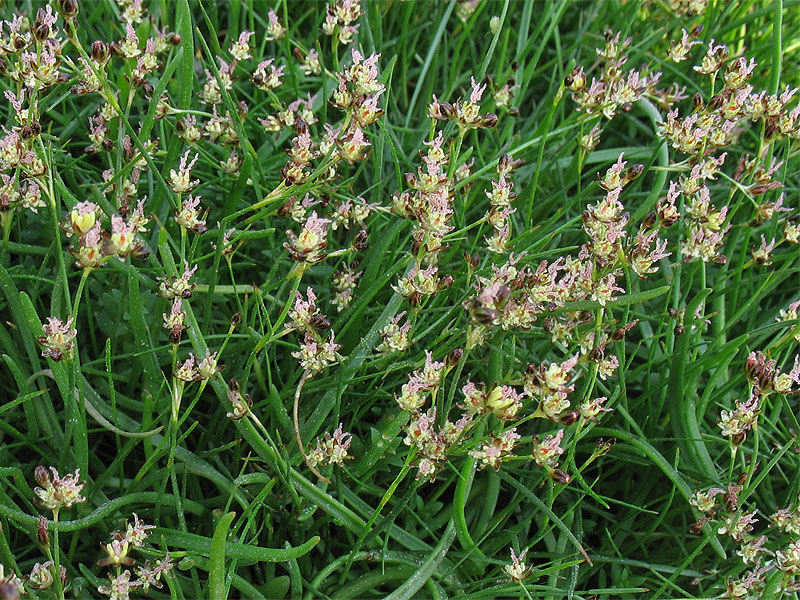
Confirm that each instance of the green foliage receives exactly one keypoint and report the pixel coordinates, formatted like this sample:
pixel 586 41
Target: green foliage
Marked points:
pixel 283 455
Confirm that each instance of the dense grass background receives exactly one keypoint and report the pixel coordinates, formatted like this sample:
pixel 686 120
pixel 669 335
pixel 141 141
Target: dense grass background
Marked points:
pixel 619 529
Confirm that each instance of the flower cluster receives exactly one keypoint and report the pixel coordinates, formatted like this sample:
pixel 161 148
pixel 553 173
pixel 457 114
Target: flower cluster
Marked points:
pixel 496 449
pixel 503 401
pixel 316 351
pixel 331 449
pixel 58 492
pixel 117 552
pixel 341 19
pixel 432 443
pixel 58 339
pixel 616 89
pixel 546 453
pixel 500 199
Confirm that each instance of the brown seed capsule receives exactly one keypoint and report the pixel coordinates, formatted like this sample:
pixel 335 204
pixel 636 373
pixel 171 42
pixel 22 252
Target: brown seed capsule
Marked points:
pixel 414 299
pixel 41 532
pixel 569 417
pixel 484 316
pixel 361 242
pixel 719 259
pixel 673 312
pixel 319 322
pixel 445 282
pixel 696 31
pixel 455 356
pixel 650 220
pixel 41 476
pixel 488 121
pixel 100 51
pixel 175 39
pixel 618 334
pixel 679 330
pixel 634 171
pixel 559 476
pixel 236 319
pixel 68 8
pixel 697 100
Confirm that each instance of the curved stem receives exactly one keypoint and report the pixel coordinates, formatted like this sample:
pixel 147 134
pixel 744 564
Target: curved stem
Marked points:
pixel 298 437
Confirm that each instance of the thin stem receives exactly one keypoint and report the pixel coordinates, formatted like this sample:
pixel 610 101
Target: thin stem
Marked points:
pixel 298 437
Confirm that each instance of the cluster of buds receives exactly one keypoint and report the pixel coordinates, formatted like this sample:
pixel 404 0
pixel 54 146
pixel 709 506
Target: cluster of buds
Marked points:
pixel 316 351
pixel 500 199
pixel 517 570
pixel 433 443
pixel 117 555
pixel 58 492
pixel 418 284
pixel 465 113
pixel 240 404
pixel 551 386
pixel 496 449
pixel 414 393
pixel 616 89
pixel 211 92
pixel 311 245
pixel 736 423
pixel 16 191
pixel 57 341
pixel 705 224
pixel 275 29
pixel 791 314
pixel 196 369
pixel 428 203
pixel 713 124
pixel 503 401
pixel 178 286
pixel 94 244
pixel 40 578
pixel 545 454
pixel 341 18
pixel 331 449
pixel 765 377
pixel 344 285
pixel 395 337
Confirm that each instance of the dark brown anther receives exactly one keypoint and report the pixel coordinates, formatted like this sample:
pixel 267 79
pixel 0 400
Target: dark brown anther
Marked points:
pixel 569 417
